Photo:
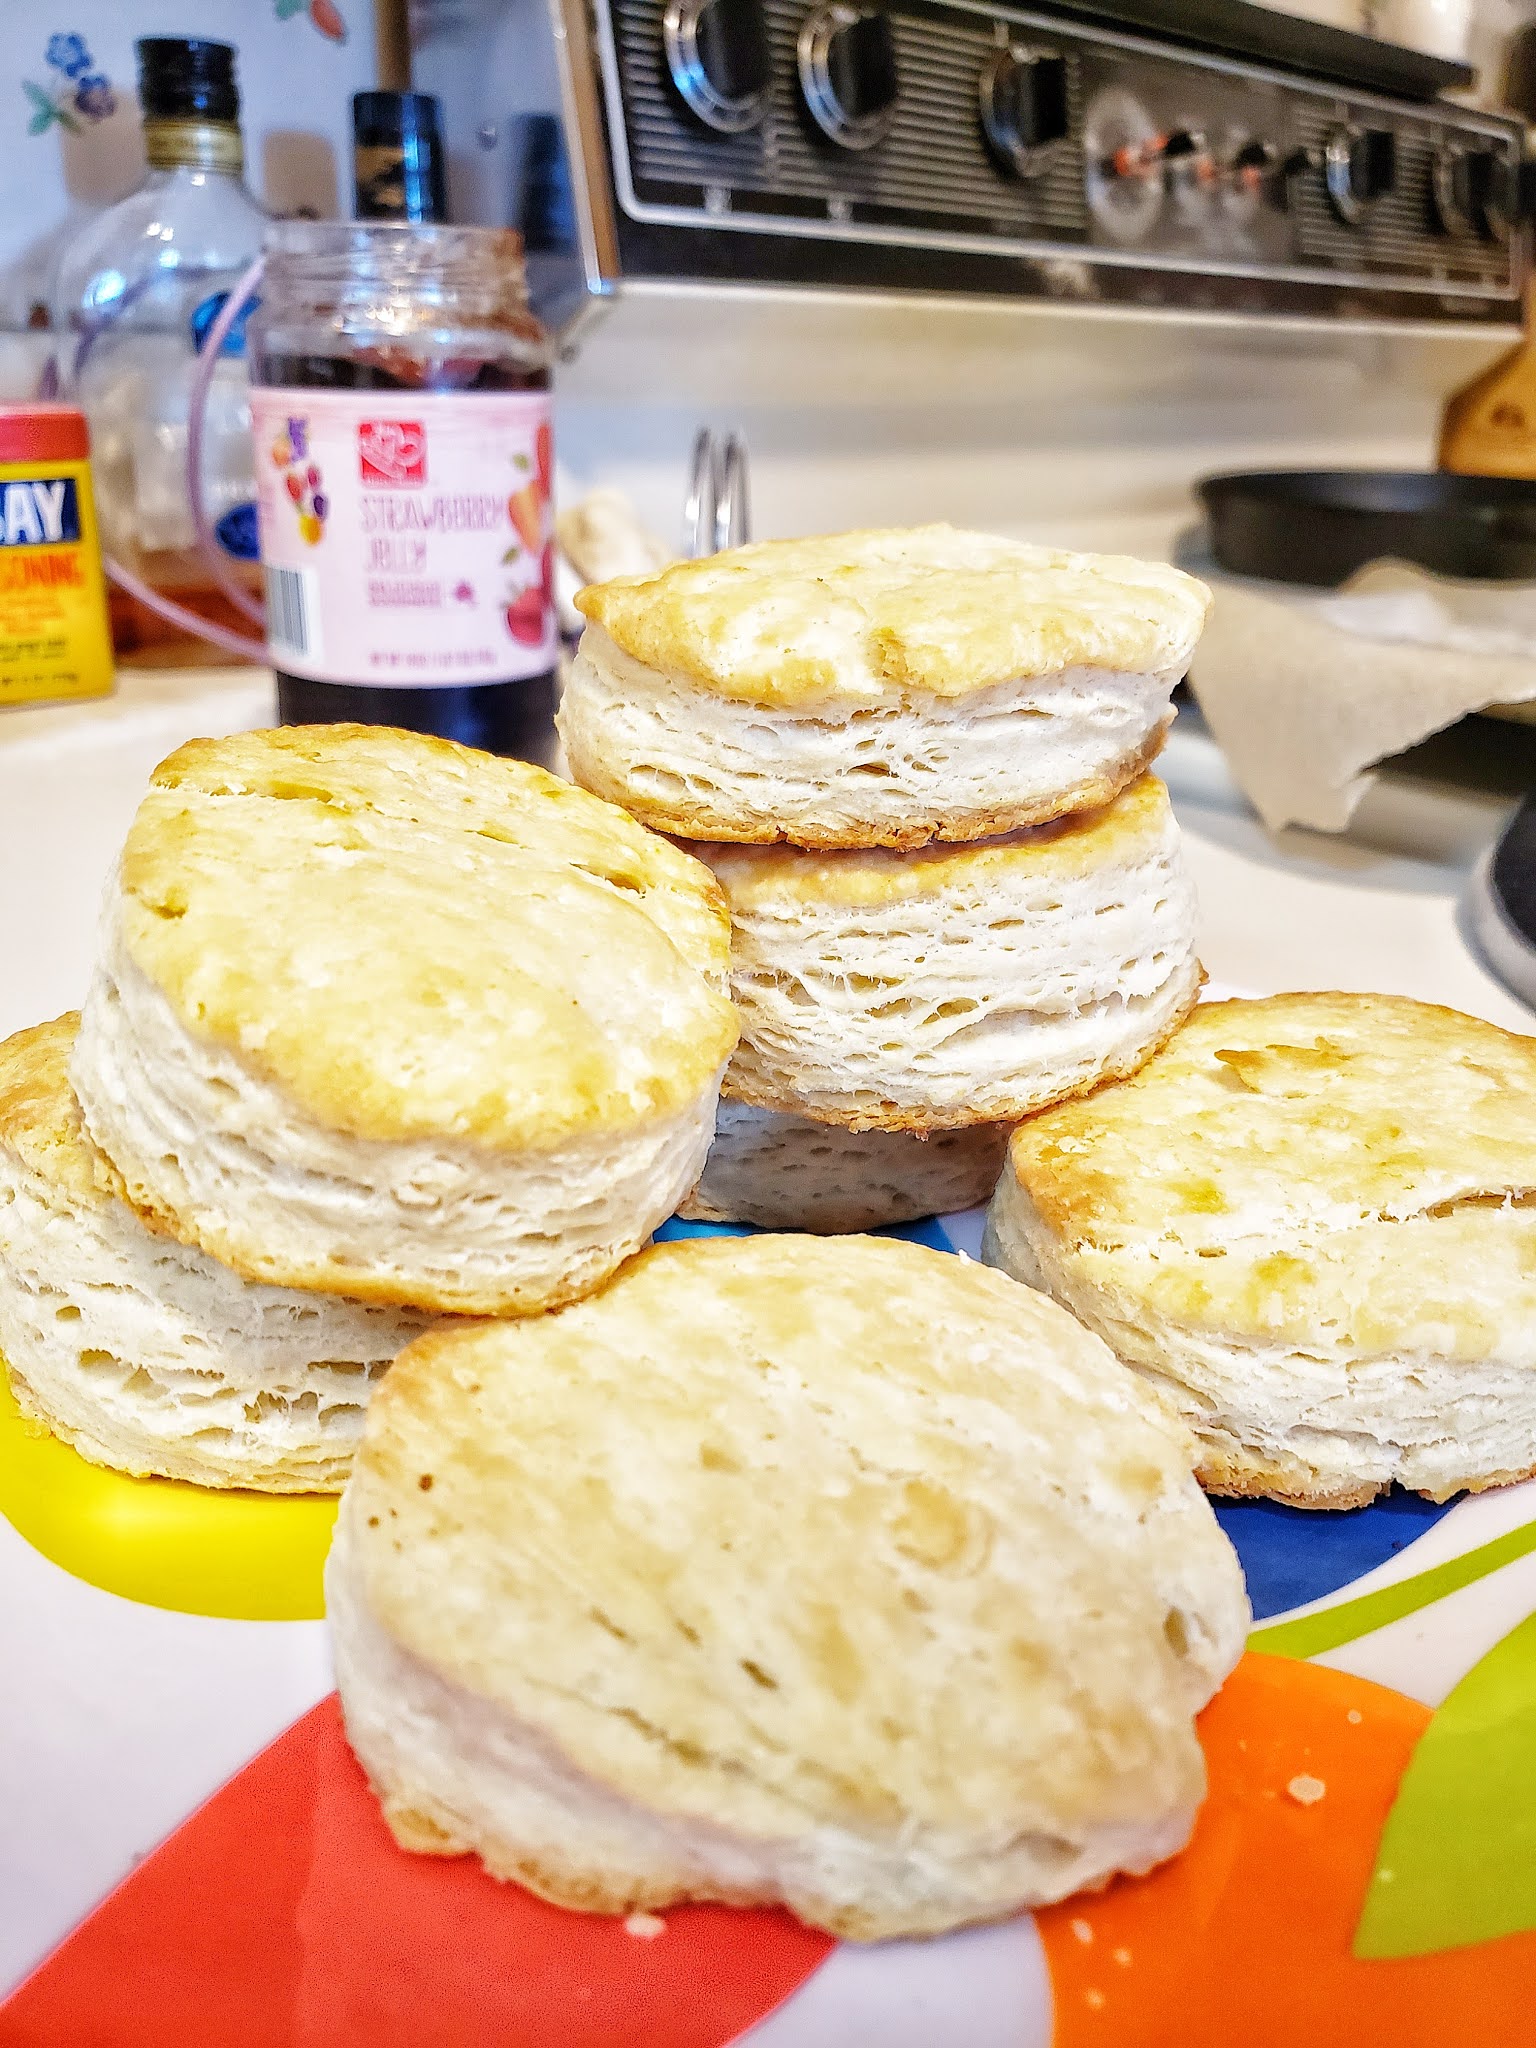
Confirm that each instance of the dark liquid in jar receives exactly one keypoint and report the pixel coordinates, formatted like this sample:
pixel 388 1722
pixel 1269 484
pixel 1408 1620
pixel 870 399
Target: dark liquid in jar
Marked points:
pixel 515 717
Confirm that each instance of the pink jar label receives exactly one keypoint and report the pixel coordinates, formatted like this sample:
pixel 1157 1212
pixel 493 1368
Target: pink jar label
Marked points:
pixel 405 536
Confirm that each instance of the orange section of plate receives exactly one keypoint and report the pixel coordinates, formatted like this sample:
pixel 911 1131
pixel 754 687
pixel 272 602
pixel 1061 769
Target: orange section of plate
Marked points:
pixel 1247 1936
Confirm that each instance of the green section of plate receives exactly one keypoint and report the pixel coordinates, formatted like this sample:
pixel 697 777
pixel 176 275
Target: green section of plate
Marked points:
pixel 1311 1634
pixel 1457 1859
pixel 240 1556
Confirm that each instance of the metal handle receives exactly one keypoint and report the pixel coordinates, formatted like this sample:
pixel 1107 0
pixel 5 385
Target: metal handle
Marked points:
pixel 717 513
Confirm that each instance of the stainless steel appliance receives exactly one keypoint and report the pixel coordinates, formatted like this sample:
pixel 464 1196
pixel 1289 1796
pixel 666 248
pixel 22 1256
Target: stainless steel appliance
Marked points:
pixel 1189 155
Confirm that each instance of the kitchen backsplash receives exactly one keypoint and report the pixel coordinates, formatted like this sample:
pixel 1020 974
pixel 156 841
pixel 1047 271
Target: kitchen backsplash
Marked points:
pixel 69 117
pixel 1082 429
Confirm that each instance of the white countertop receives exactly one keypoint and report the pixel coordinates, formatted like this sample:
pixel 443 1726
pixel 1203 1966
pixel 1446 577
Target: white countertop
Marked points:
pixel 147 1712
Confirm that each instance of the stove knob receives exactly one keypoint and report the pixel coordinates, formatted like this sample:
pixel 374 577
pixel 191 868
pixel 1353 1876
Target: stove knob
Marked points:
pixel 1495 185
pixel 1253 164
pixel 1450 189
pixel 717 53
pixel 1474 191
pixel 1185 146
pixel 1123 175
pixel 847 61
pixel 1249 173
pixel 1024 108
pixel 1359 167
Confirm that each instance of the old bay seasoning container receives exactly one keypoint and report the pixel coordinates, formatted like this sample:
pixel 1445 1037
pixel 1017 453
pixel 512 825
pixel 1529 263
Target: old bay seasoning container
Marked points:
pixel 54 640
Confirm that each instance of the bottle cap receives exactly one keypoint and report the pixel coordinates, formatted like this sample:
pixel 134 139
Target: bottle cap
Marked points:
pixel 379 118
pixel 187 78
pixel 37 432
pixel 397 156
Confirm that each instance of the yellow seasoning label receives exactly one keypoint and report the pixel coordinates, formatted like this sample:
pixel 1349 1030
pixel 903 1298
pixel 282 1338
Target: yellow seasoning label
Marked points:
pixel 54 638
pixel 244 1556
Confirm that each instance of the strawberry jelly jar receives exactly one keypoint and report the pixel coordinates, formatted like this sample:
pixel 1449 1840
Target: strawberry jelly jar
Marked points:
pixel 400 414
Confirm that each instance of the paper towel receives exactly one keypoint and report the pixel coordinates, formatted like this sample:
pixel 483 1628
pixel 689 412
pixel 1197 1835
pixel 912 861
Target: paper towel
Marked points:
pixel 1305 692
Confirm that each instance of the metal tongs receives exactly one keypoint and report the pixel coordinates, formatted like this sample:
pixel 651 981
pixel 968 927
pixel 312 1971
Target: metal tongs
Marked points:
pixel 717 513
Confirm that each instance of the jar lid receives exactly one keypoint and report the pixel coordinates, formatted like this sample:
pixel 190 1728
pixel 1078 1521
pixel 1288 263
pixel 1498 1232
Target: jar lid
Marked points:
pixel 43 432
pixel 187 78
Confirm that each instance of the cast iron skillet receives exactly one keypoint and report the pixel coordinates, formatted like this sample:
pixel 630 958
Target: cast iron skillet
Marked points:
pixel 1320 525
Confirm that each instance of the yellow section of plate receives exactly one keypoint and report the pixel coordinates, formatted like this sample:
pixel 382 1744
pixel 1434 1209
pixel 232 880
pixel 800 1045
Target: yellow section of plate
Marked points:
pixel 239 1556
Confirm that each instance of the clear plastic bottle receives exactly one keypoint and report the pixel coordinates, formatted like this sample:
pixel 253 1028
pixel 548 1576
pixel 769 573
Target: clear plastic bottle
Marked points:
pixel 136 291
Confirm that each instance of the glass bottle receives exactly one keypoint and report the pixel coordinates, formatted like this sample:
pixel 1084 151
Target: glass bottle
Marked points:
pixel 397 157
pixel 136 291
pixel 400 416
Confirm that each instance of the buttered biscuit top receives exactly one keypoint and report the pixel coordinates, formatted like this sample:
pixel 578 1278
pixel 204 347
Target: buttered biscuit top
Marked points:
pixel 414 940
pixel 1361 1160
pixel 872 689
pixel 842 619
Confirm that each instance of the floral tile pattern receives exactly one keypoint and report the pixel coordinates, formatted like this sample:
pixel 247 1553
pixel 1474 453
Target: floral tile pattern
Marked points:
pixel 75 94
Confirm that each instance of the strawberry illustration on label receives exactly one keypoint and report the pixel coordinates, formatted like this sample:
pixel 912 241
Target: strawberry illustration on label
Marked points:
pixel 525 616
pixel 525 508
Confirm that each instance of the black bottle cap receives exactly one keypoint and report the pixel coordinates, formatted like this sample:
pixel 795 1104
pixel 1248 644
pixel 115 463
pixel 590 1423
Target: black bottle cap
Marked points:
pixel 398 157
pixel 185 78
pixel 379 118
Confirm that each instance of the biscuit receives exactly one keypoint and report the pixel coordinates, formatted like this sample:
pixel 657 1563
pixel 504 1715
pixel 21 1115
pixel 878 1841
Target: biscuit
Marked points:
pixel 785 1172
pixel 959 984
pixel 880 688
pixel 145 1354
pixel 831 1572
pixel 1310 1222
pixel 378 1015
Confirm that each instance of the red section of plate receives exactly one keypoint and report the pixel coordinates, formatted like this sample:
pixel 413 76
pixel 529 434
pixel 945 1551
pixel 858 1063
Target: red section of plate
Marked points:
pixel 282 1915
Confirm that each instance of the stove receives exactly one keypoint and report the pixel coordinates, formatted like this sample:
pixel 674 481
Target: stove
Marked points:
pixel 1198 156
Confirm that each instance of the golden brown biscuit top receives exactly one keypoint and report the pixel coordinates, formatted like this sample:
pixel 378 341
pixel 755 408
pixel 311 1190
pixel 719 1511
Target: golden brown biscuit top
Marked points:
pixel 414 940
pixel 1365 1162
pixel 886 614
pixel 1129 829
pixel 847 1523
pixel 39 1122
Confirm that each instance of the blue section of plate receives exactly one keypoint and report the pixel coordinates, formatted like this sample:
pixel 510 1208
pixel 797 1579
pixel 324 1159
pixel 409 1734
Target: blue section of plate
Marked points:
pixel 929 1231
pixel 1293 1555
pixel 676 1227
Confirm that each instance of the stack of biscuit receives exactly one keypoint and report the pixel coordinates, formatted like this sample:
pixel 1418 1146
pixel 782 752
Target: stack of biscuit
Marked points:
pixel 381 1029
pixel 916 761
pixel 830 1573
pixel 841 1574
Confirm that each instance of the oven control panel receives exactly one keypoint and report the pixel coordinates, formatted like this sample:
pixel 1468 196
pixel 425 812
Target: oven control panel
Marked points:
pixel 955 146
